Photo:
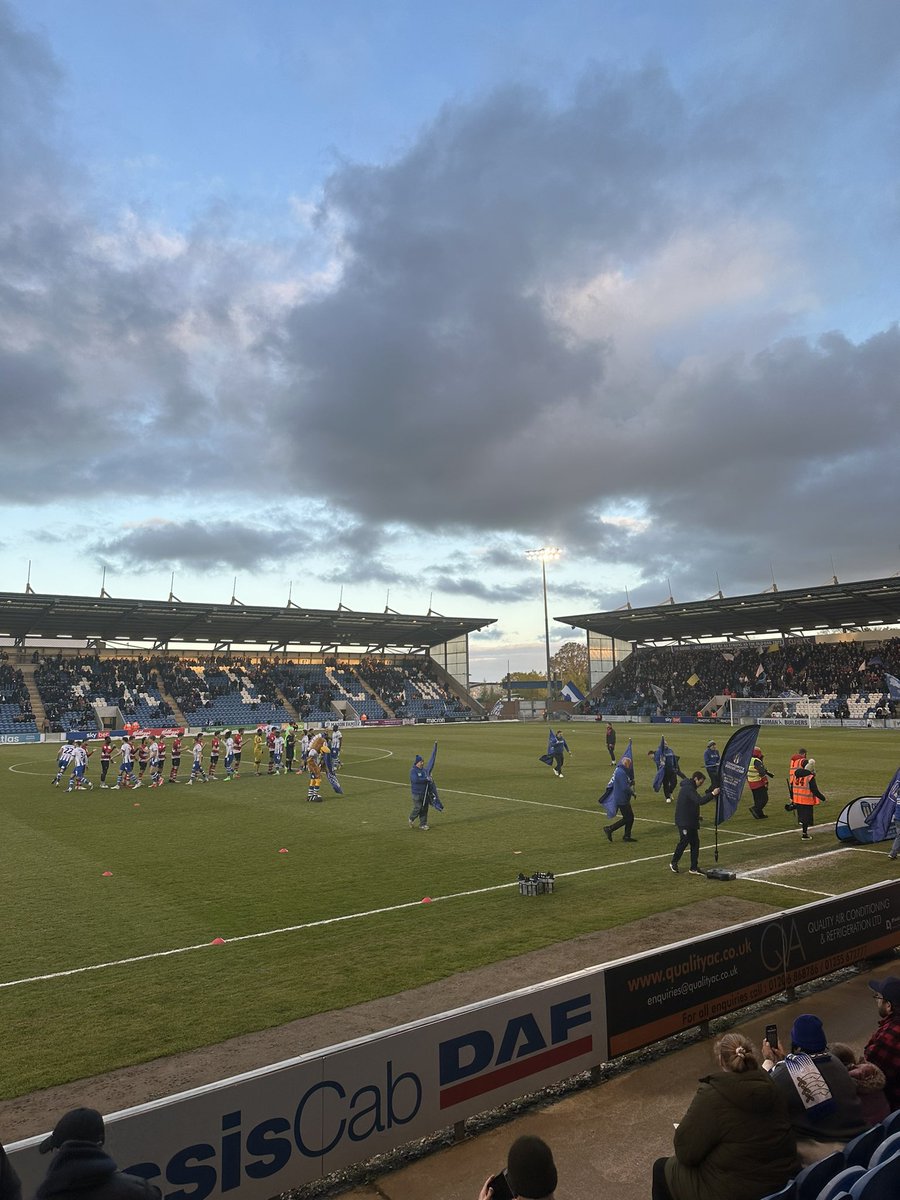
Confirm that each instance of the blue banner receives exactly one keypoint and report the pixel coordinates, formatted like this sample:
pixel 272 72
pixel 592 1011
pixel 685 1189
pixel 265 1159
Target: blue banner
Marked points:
pixel 893 686
pixel 733 770
pixel 14 739
pixel 879 820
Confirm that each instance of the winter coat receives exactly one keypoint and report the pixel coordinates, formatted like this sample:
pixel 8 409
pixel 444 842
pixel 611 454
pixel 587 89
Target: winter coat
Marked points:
pixel 734 1142
pixel 869 1081
pixel 687 806
pixel 84 1171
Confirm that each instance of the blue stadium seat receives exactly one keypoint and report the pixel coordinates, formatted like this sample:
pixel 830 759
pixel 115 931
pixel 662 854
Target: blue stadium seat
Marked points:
pixel 886 1149
pixel 891 1123
pixel 880 1183
pixel 841 1184
pixel 813 1178
pixel 859 1150
pixel 786 1193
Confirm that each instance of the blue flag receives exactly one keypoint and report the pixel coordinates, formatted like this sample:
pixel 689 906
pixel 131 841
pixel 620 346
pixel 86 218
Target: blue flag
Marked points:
pixel 659 758
pixel 733 770
pixel 893 686
pixel 880 818
pixel 628 754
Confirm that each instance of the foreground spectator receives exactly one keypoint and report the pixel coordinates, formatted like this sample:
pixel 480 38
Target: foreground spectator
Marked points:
pixel 81 1170
pixel 823 1103
pixel 883 1047
pixel 735 1140
pixel 530 1173
pixel 10 1185
pixel 869 1081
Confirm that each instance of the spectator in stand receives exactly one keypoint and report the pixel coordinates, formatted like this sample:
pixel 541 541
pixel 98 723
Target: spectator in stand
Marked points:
pixel 530 1172
pixel 823 1103
pixel 869 1081
pixel 758 776
pixel 735 1140
pixel 10 1184
pixel 81 1170
pixel 883 1047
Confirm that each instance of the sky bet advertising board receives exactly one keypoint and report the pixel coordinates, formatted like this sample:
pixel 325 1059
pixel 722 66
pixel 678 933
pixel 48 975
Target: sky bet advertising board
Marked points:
pixel 260 1134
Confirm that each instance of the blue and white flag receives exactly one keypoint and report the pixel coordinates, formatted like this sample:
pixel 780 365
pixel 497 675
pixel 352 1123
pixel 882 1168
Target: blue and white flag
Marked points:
pixel 497 709
pixel 880 818
pixel 733 770
pixel 659 694
pixel 328 763
pixel 893 686
pixel 572 692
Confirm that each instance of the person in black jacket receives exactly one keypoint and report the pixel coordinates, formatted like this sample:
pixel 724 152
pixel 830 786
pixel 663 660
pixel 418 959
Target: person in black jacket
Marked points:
pixel 81 1170
pixel 687 820
pixel 10 1184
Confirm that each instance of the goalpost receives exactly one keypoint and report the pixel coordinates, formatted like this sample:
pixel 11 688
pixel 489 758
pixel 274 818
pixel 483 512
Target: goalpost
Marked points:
pixel 774 710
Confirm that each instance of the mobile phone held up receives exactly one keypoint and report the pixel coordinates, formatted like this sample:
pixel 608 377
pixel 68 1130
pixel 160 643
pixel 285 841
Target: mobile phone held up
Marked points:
pixel 500 1188
pixel 772 1035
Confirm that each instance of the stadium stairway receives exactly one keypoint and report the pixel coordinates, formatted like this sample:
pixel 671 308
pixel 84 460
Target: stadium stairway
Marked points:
pixel 282 699
pixel 177 714
pixel 37 704
pixel 375 696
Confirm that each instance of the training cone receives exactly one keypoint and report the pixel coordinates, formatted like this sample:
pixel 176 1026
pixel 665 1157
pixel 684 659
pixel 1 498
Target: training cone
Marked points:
pixel 283 850
pixel 217 942
pixel 107 874
pixel 426 899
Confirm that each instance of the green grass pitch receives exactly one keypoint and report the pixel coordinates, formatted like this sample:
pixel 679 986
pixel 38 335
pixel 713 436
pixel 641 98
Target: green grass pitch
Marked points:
pixel 193 864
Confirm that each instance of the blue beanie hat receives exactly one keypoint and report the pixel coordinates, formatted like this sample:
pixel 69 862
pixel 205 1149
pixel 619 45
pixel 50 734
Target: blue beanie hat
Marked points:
pixel 808 1033
pixel 418 758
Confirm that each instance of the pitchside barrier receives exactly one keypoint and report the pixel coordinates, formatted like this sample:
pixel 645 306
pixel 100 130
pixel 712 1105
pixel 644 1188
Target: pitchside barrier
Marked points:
pixel 262 1133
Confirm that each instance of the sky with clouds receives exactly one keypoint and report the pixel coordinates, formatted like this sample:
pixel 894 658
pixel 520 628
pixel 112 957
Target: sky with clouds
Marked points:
pixel 364 301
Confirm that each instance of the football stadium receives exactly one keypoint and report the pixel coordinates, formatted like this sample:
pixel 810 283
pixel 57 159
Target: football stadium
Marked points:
pixel 185 946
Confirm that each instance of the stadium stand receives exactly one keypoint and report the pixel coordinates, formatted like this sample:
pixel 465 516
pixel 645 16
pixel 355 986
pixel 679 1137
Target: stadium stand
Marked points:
pixel 72 689
pixel 15 707
pixel 409 688
pixel 227 690
pixel 843 679
pixel 224 694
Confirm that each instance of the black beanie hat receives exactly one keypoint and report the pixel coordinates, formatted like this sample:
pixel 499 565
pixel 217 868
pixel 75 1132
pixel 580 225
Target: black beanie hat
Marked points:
pixel 530 1168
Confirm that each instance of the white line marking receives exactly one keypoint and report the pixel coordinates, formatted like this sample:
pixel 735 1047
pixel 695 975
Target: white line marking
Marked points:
pixel 792 886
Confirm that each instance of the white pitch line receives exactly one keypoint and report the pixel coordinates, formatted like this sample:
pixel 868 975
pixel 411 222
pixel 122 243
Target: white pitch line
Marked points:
pixel 792 886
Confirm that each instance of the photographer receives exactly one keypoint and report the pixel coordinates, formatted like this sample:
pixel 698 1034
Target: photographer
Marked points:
pixel 530 1173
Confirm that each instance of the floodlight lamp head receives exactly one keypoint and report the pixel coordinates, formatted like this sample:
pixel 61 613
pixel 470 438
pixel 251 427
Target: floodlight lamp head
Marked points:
pixel 545 554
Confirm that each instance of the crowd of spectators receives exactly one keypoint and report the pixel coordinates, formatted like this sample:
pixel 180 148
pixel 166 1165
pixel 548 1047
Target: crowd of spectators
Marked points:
pixel 685 678
pixel 71 686
pixel 13 692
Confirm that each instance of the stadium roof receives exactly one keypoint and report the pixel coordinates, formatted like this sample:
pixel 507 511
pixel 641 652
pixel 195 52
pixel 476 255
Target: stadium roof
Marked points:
pixel 161 622
pixel 801 611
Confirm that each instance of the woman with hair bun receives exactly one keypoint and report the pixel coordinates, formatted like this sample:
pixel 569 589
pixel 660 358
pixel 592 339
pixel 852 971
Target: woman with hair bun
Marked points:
pixel 735 1140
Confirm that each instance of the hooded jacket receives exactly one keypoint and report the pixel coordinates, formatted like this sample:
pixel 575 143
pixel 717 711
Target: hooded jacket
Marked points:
pixel 735 1140
pixel 82 1170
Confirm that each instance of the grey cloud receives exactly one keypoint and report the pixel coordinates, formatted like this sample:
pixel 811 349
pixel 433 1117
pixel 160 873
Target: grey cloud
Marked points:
pixel 436 386
pixel 202 547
